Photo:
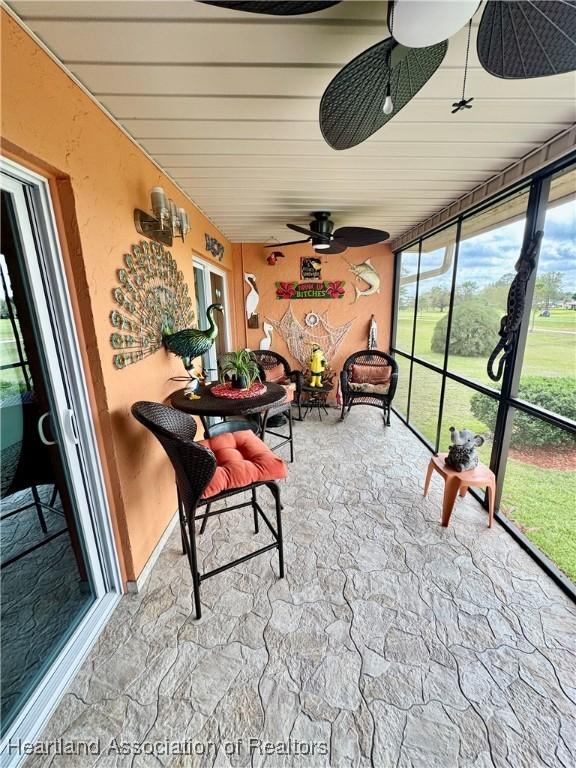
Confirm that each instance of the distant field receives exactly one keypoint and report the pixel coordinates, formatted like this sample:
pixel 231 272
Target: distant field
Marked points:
pixel 550 347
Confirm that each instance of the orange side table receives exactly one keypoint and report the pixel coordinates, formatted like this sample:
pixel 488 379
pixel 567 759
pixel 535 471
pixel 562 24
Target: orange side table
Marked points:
pixel 458 483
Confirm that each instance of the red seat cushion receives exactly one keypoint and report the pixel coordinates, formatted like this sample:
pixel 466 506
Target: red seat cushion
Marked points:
pixel 371 374
pixel 242 458
pixel 276 374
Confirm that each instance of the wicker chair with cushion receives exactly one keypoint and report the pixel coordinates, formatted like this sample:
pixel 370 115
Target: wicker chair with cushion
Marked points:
pixel 277 370
pixel 369 377
pixel 211 470
pixel 280 414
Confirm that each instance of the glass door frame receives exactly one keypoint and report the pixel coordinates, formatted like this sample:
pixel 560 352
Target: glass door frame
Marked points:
pixel 73 426
pixel 207 267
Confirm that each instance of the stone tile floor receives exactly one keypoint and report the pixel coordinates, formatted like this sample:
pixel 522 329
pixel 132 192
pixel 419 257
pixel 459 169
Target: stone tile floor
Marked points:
pixel 391 641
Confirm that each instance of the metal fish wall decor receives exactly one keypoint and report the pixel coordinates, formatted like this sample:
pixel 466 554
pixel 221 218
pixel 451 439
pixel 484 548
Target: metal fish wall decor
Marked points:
pixel 366 272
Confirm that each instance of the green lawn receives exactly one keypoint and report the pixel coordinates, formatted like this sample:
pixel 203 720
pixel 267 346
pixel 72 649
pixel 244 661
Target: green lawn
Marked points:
pixel 540 501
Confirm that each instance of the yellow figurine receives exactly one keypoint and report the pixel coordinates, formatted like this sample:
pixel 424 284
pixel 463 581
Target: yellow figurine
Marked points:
pixel 317 364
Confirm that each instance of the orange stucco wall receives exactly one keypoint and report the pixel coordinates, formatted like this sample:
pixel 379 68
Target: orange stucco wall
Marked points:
pixel 251 258
pixel 49 123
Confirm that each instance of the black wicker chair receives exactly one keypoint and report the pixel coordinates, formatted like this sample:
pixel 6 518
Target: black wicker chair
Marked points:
pixel 268 360
pixel 195 465
pixel 355 396
pixel 274 416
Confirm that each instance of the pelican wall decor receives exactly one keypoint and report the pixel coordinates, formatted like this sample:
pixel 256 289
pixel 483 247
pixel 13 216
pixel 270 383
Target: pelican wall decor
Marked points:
pixel 266 340
pixel 252 300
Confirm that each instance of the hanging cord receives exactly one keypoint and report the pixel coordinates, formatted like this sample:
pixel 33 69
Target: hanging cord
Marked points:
pixel 464 103
pixel 466 62
pixel 388 106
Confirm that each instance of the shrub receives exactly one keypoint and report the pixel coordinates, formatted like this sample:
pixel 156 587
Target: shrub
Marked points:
pixel 474 330
pixel 553 394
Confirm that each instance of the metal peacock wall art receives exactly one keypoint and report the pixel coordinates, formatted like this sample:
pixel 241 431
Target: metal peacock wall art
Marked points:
pixel 155 310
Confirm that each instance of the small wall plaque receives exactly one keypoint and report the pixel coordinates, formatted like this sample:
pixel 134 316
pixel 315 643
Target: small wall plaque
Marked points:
pixel 214 247
pixel 310 268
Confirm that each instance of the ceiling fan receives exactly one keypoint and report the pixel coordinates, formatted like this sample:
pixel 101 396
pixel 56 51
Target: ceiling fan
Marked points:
pixel 517 39
pixel 325 238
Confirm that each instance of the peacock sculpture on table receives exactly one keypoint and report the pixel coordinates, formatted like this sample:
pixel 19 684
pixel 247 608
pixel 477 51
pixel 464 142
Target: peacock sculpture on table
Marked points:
pixel 155 310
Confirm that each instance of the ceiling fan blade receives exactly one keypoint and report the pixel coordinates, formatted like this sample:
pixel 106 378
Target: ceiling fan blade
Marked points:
pixel 356 237
pixel 304 231
pixel 291 242
pixel 351 107
pixel 531 38
pixel 335 247
pixel 273 8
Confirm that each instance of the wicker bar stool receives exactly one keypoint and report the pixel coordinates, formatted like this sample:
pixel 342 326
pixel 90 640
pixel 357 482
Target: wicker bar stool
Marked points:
pixel 209 471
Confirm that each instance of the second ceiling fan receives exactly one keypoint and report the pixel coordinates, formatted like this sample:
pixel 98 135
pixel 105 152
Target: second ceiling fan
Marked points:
pixel 517 39
pixel 326 239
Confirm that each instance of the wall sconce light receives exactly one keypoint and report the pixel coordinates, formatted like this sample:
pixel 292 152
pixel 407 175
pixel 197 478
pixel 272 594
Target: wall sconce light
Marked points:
pixel 168 220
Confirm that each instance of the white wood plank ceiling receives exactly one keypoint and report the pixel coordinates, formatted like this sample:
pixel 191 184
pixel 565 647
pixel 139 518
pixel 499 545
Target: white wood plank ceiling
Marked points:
pixel 227 103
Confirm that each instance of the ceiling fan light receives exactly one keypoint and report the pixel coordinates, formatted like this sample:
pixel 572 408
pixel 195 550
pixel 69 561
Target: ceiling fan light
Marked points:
pixel 421 23
pixel 321 246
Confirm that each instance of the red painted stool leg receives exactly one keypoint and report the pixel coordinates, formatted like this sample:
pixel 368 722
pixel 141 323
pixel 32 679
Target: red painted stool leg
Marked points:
pixel 428 476
pixel 491 491
pixel 463 490
pixel 451 490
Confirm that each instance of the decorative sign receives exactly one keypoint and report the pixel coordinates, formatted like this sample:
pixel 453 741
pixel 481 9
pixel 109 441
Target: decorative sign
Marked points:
pixel 310 268
pixel 324 290
pixel 214 247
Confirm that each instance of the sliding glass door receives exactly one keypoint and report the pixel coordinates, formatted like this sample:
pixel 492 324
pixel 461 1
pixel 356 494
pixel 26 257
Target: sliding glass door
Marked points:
pixel 57 571
pixel 211 288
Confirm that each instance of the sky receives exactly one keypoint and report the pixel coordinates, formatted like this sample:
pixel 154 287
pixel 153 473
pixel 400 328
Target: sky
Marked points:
pixel 485 258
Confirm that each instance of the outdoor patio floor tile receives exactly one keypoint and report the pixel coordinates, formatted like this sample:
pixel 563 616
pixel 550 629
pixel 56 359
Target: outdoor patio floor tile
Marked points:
pixel 392 641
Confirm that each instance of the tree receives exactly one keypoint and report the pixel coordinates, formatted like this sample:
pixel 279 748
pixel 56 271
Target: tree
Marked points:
pixel 474 330
pixel 439 297
pixel 425 302
pixel 404 299
pixel 4 308
pixel 496 294
pixel 468 289
pixel 548 289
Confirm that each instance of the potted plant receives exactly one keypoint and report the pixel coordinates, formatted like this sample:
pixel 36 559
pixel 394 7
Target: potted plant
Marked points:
pixel 241 367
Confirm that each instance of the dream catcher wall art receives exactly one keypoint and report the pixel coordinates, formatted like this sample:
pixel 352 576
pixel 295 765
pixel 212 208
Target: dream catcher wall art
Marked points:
pixel 152 301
